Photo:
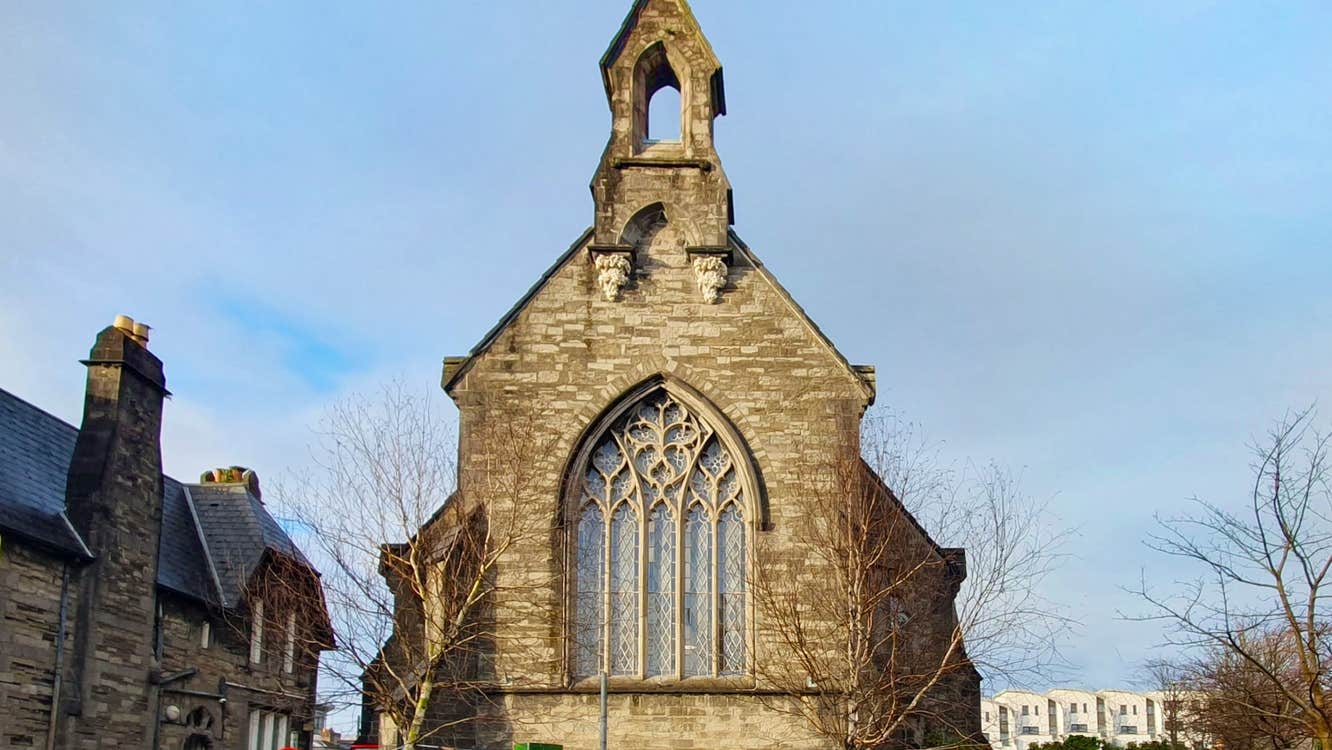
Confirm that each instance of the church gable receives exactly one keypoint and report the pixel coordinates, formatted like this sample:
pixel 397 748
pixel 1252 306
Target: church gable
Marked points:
pixel 660 420
pixel 566 332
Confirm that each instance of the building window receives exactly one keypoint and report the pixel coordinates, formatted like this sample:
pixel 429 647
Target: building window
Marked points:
pixel 661 543
pixel 1123 710
pixel 1026 710
pixel 257 632
pixel 269 731
pixel 289 648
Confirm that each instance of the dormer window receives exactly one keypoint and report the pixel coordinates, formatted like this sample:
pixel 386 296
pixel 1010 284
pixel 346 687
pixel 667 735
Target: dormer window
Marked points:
pixel 658 100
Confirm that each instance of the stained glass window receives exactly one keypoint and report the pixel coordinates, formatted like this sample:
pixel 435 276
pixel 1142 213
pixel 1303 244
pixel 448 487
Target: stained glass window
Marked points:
pixel 590 582
pixel 698 593
pixel 660 549
pixel 624 592
pixel 661 593
pixel 731 581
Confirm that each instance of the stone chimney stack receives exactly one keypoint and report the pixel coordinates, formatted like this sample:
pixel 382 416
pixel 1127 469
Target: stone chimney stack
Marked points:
pixel 114 500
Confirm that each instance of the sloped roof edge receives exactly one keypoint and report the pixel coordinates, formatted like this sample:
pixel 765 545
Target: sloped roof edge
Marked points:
pixel 630 22
pixel 800 312
pixel 883 487
pixel 203 542
pixel 737 243
pixel 517 308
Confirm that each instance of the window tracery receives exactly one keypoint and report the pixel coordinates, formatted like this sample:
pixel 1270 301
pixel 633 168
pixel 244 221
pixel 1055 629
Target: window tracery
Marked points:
pixel 659 591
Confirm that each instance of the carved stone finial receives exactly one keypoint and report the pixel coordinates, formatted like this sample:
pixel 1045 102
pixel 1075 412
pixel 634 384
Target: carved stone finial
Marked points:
pixel 612 274
pixel 710 272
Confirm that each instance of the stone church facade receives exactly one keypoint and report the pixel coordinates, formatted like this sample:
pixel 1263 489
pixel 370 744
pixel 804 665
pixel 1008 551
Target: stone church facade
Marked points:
pixel 669 390
pixel 133 607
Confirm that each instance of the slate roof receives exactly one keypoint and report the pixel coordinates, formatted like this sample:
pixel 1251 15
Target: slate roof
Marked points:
pixel 35 448
pixel 213 535
pixel 238 533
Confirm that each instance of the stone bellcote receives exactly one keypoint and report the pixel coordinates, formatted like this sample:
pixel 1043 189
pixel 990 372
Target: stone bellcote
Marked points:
pixel 643 175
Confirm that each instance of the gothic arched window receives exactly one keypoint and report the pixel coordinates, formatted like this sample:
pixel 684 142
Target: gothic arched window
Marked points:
pixel 660 529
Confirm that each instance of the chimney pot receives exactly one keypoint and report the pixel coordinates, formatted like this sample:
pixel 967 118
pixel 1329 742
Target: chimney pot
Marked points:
pixel 124 323
pixel 140 333
pixel 233 475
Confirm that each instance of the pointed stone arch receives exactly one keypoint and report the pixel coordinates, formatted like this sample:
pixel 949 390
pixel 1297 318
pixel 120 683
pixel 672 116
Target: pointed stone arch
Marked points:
pixel 639 230
pixel 698 403
pixel 661 503
pixel 654 71
pixel 644 224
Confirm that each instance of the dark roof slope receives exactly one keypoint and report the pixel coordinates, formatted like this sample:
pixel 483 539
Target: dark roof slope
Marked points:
pixel 238 532
pixel 181 564
pixel 35 448
pixel 213 535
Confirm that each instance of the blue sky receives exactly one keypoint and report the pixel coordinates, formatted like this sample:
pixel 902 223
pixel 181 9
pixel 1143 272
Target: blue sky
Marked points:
pixel 1090 241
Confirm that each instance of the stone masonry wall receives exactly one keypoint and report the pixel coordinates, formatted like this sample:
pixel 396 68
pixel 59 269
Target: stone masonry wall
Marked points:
pixel 30 583
pixel 263 686
pixel 565 360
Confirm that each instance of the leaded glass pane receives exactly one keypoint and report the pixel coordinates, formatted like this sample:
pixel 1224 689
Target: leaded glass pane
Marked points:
pixel 624 592
pixel 661 593
pixel 731 558
pixel 698 593
pixel 589 583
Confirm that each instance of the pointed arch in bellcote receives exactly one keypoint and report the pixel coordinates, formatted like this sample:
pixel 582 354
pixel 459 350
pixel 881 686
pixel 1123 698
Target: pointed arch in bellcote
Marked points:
pixel 654 121
pixel 696 404
pixel 641 227
pixel 679 12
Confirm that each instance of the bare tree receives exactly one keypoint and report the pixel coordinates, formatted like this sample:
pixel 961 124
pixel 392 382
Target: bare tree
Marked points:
pixel 1176 684
pixel 886 629
pixel 1254 611
pixel 408 550
pixel 1237 706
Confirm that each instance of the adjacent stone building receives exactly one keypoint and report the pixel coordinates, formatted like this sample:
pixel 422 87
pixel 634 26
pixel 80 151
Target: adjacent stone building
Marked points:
pixel 132 606
pixel 669 398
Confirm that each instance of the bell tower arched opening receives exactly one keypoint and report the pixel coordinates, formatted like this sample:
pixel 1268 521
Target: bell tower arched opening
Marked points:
pixel 658 100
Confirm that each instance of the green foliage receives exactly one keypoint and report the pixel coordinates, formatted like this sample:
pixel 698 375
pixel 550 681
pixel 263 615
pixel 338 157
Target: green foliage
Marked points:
pixel 951 741
pixel 1071 742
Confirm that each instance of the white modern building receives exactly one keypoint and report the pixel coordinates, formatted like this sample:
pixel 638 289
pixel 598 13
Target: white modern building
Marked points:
pixel 1017 719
